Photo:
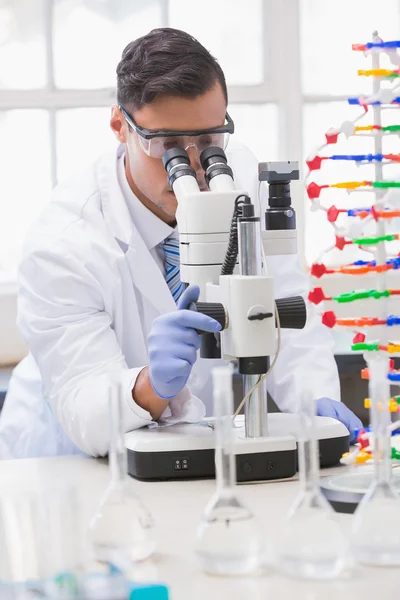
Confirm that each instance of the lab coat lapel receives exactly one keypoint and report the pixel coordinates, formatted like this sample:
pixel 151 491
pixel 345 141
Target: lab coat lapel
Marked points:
pixel 146 276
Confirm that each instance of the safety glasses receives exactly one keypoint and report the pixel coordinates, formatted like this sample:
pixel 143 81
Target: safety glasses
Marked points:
pixel 156 142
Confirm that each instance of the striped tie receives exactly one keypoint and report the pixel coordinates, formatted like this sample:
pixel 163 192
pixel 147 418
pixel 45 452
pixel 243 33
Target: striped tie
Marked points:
pixel 172 267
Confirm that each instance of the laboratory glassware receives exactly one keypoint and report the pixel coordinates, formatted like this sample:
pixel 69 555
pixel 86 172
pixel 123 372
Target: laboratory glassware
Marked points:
pixel 122 531
pixel 375 534
pixel 228 537
pixel 312 544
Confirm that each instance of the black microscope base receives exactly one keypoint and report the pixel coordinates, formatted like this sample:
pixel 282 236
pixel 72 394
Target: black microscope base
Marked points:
pixel 191 464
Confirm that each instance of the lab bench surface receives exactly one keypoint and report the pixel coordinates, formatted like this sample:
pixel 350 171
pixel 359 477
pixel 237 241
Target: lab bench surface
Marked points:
pixel 177 507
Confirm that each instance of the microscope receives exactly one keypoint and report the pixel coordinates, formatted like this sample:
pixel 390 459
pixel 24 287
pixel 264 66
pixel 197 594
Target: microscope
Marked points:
pixel 223 250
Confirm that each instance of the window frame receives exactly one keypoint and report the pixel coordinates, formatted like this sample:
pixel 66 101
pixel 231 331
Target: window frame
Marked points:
pixel 277 88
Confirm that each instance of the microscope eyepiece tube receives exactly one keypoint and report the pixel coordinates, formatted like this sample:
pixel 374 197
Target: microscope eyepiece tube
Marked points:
pixel 218 174
pixel 181 176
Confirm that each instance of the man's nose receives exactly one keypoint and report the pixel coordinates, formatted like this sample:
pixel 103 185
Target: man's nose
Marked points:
pixel 196 165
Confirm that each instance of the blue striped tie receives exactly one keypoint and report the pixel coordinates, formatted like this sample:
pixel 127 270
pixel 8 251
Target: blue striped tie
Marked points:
pixel 172 267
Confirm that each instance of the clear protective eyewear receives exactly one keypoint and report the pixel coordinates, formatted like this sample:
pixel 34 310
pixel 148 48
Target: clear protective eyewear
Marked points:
pixel 156 142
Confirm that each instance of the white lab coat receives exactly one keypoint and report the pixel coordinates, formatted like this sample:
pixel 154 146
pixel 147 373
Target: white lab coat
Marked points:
pixel 89 290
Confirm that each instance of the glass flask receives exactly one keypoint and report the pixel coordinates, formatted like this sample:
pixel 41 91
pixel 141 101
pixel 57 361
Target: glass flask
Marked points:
pixel 312 544
pixel 42 549
pixel 228 539
pixel 375 536
pixel 122 531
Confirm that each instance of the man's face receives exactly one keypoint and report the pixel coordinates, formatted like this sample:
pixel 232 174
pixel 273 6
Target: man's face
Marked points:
pixel 146 175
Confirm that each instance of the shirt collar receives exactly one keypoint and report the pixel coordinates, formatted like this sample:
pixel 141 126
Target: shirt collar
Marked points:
pixel 151 228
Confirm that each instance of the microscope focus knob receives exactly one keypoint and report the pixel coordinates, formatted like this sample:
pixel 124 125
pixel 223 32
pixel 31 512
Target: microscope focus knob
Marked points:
pixel 215 310
pixel 292 312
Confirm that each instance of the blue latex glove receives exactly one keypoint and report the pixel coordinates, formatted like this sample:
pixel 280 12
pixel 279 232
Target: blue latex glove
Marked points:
pixel 339 411
pixel 173 343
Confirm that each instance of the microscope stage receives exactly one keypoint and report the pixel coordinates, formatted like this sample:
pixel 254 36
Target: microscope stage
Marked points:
pixel 186 451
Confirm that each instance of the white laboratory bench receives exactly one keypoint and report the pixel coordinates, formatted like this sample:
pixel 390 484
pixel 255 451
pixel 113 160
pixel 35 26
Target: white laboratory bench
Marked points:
pixel 177 507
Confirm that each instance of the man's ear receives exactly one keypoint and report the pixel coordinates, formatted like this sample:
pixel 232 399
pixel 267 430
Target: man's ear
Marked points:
pixel 119 125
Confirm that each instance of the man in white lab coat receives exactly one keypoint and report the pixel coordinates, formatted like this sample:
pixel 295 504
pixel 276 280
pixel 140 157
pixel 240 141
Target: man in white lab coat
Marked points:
pixel 98 290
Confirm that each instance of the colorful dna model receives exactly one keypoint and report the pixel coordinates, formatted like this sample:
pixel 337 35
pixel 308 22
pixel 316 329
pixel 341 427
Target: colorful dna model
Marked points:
pixel 363 296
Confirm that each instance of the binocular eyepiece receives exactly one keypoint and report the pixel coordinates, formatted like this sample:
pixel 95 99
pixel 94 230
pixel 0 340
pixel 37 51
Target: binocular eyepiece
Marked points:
pixel 213 161
pixel 177 164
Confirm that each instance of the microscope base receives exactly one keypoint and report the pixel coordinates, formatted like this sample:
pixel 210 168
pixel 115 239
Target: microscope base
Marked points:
pixel 186 451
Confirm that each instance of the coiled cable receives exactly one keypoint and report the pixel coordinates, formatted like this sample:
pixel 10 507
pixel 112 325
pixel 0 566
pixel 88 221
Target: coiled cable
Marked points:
pixel 233 245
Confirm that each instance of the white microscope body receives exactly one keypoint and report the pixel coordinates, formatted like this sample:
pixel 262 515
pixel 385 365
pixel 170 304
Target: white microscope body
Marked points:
pixel 220 251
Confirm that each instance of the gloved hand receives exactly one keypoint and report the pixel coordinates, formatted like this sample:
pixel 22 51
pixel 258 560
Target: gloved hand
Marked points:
pixel 337 410
pixel 173 343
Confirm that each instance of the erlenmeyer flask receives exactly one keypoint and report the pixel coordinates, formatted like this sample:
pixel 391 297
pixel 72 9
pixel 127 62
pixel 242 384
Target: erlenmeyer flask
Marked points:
pixel 375 536
pixel 228 537
pixel 42 551
pixel 122 531
pixel 312 544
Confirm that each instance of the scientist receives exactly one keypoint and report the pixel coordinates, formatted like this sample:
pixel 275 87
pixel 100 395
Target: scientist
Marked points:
pixel 99 278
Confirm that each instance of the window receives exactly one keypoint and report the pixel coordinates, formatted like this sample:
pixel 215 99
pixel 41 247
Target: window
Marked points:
pixel 72 125
pixel 57 83
pixel 219 27
pixel 328 29
pixel 23 45
pixel 89 36
pixel 25 177
pixel 288 66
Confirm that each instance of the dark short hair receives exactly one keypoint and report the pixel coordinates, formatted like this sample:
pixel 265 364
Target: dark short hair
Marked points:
pixel 166 61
